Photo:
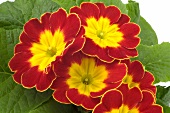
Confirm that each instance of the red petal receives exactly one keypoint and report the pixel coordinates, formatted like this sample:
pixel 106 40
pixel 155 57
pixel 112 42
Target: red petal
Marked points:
pixel 147 82
pixel 78 42
pixel 154 109
pixel 60 96
pixel 31 77
pixel 83 100
pixel 147 101
pixel 92 49
pixel 21 47
pixel 100 108
pixel 25 39
pixel 57 19
pixel 130 42
pixel 45 20
pixel 33 29
pixel 136 70
pixel 116 53
pixel 131 97
pixel 102 8
pixel 90 9
pixel 71 27
pixel 60 87
pixel 123 19
pixel 45 81
pixel 116 72
pixel 112 13
pixel 80 13
pixel 112 99
pixel 129 52
pixel 130 29
pixel 17 75
pixel 19 61
pixel 108 87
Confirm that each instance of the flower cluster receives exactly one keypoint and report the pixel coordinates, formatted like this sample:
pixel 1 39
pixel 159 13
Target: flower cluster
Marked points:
pixel 84 56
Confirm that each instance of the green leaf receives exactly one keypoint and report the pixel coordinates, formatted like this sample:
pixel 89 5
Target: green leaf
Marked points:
pixel 15 99
pixel 78 2
pixel 163 98
pixel 15 14
pixel 66 4
pixel 156 59
pixel 8 39
pixel 147 34
pixel 133 11
pixel 51 106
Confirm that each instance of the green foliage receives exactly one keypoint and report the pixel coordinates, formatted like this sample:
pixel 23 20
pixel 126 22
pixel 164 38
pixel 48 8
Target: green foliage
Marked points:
pixel 163 98
pixel 15 14
pixel 66 4
pixel 133 11
pixel 51 106
pixel 15 99
pixel 156 59
pixel 8 39
pixel 147 34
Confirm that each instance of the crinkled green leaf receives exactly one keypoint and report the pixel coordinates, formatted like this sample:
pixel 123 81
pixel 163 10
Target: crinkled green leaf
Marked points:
pixel 156 59
pixel 15 14
pixel 133 11
pixel 66 4
pixel 78 2
pixel 8 39
pixel 163 98
pixel 15 99
pixel 51 106
pixel 147 34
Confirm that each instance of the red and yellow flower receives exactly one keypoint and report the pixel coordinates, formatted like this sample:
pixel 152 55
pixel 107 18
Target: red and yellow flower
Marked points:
pixel 109 34
pixel 41 43
pixel 127 100
pixel 138 77
pixel 83 79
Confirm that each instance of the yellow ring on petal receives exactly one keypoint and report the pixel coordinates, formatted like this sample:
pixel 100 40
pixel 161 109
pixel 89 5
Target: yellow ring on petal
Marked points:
pixel 124 109
pixel 47 49
pixel 129 80
pixel 87 77
pixel 102 33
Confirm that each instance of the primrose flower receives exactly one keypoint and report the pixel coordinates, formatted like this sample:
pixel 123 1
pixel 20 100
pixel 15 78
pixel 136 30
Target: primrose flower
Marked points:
pixel 127 100
pixel 81 79
pixel 109 34
pixel 138 77
pixel 41 43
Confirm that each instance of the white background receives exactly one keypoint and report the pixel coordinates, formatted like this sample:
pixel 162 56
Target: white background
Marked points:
pixel 157 13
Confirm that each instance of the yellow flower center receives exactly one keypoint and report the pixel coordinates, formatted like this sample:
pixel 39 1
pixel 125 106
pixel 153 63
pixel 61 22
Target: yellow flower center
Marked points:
pixel 102 33
pixel 87 77
pixel 124 109
pixel 129 80
pixel 47 49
